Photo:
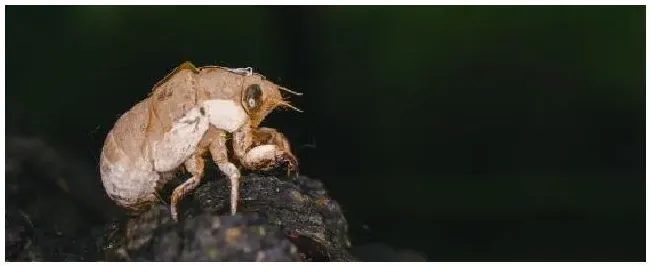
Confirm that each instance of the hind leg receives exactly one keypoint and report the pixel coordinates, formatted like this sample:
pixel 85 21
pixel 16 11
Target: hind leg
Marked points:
pixel 195 166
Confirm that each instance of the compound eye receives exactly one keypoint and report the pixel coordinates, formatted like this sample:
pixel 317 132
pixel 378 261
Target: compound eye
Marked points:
pixel 253 96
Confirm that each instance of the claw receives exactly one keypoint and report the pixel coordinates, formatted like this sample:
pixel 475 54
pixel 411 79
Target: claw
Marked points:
pixel 290 160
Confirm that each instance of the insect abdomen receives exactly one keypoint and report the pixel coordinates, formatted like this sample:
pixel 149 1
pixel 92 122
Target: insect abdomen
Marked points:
pixel 129 182
pixel 126 171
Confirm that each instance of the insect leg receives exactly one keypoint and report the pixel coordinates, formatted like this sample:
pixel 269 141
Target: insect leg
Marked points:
pixel 242 142
pixel 219 153
pixel 261 158
pixel 195 166
pixel 273 151
pixel 265 135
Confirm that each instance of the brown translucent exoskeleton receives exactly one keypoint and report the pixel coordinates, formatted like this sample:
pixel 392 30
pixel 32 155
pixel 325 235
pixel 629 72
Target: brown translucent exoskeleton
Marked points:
pixel 188 114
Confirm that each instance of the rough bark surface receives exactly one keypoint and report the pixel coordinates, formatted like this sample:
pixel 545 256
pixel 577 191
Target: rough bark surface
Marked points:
pixel 279 220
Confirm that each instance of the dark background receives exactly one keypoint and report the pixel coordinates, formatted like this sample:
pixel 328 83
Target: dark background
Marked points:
pixel 465 133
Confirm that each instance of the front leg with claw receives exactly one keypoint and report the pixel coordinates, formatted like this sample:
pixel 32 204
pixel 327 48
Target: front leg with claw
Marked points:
pixel 281 153
pixel 263 149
